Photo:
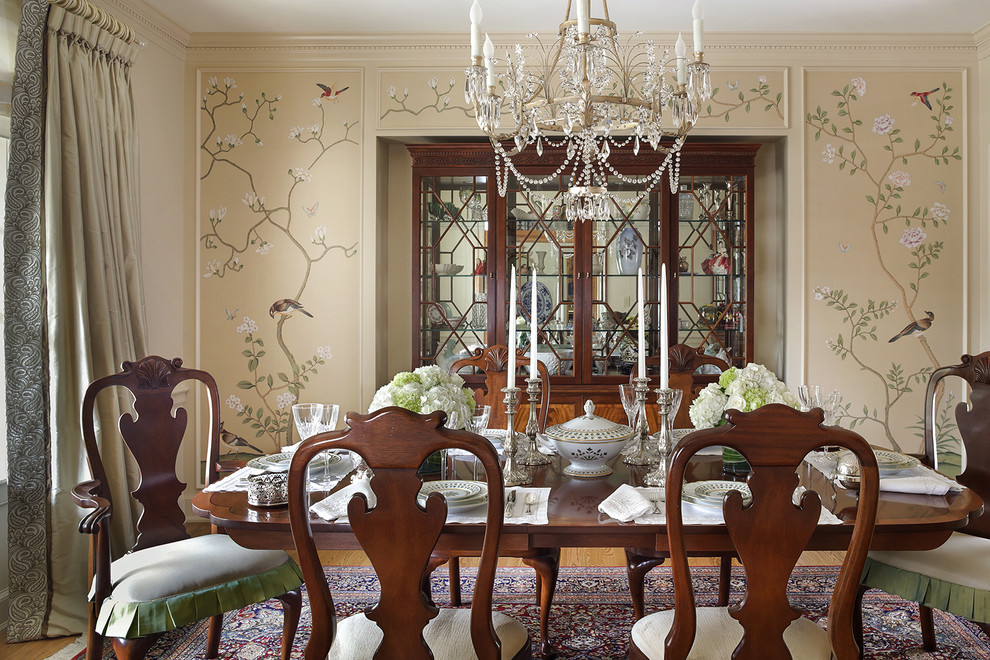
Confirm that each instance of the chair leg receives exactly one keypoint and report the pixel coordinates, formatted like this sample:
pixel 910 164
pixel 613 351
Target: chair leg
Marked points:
pixel 454 569
pixel 927 628
pixel 213 632
pixel 858 618
pixel 291 609
pixel 133 649
pixel 546 566
pixel 724 579
pixel 637 566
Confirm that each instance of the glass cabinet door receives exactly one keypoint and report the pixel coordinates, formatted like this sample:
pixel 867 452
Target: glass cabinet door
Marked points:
pixel 453 268
pixel 713 292
pixel 542 247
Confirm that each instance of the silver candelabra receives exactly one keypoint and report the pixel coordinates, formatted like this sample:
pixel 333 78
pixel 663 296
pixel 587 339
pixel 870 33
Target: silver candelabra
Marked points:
pixel 511 474
pixel 531 455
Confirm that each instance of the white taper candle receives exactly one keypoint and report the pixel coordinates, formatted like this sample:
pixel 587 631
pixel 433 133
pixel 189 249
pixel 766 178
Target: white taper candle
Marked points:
pixel 642 325
pixel 475 29
pixel 489 62
pixel 664 336
pixel 680 50
pixel 699 26
pixel 512 329
pixel 534 332
pixel 584 16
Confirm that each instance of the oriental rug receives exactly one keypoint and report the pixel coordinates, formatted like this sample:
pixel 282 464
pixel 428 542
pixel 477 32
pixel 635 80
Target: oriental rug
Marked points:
pixel 591 616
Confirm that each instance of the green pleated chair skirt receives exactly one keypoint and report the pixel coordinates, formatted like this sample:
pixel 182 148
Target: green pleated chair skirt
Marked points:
pixel 161 588
pixel 954 577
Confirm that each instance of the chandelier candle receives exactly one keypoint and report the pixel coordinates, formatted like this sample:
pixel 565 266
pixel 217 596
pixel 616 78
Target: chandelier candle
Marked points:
pixel 664 338
pixel 512 331
pixel 698 12
pixel 475 30
pixel 642 325
pixel 490 61
pixel 680 50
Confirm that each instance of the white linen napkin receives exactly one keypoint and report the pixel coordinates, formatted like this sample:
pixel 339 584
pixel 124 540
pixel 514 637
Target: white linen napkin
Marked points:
pixel 627 502
pixel 920 480
pixel 238 481
pixel 334 506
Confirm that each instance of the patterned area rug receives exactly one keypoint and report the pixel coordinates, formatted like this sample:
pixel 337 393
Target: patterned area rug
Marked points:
pixel 591 617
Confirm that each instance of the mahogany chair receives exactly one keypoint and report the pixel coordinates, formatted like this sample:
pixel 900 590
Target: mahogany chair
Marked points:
pixel 493 362
pixel 684 361
pixel 769 535
pixel 954 577
pixel 167 579
pixel 404 623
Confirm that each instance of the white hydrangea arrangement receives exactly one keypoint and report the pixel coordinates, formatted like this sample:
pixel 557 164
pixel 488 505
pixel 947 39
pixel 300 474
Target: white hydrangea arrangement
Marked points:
pixel 425 390
pixel 744 389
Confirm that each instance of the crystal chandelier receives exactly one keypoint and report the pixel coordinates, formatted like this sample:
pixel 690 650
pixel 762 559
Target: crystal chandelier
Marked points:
pixel 588 93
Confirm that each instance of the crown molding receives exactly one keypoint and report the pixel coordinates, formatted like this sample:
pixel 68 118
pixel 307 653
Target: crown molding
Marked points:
pixel 982 38
pixel 149 22
pixel 792 41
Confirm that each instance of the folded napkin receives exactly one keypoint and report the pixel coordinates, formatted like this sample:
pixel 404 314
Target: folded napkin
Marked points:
pixel 238 481
pixel 627 499
pixel 918 480
pixel 627 502
pixel 334 506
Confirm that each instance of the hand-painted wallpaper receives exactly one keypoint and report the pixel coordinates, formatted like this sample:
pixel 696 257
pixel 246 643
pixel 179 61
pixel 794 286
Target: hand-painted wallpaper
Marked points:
pixel 279 191
pixel 884 237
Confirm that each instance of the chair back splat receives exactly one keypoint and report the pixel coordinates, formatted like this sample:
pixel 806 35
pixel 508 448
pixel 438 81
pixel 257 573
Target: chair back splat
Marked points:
pixel 770 533
pixel 974 428
pixel 398 533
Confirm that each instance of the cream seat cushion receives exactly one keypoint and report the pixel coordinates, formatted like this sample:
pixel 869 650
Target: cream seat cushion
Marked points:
pixel 964 559
pixel 448 635
pixel 717 634
pixel 160 588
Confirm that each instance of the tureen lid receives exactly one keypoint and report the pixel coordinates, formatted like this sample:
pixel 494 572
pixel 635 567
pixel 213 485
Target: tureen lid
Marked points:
pixel 589 427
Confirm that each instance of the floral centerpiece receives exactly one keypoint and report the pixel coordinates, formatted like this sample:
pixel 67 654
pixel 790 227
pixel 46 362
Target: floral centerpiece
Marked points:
pixel 744 389
pixel 425 390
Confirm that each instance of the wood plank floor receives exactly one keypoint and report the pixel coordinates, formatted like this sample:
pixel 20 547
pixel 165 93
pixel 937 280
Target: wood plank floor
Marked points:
pixel 39 650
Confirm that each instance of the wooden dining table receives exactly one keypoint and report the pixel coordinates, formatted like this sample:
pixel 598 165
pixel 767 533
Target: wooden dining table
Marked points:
pixel 904 521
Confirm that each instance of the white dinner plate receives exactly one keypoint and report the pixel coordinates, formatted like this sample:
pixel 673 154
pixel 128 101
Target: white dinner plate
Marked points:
pixel 459 494
pixel 280 462
pixel 711 493
pixel 888 462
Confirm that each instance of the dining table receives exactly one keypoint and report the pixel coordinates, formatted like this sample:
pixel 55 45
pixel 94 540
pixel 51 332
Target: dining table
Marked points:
pixel 904 521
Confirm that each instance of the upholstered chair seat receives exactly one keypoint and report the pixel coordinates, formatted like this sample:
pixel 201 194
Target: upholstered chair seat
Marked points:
pixel 448 636
pixel 718 634
pixel 170 585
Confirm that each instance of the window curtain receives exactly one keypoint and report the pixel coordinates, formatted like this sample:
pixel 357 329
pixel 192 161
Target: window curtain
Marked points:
pixel 91 313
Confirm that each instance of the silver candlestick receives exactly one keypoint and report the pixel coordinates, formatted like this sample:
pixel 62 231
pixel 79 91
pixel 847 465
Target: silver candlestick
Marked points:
pixel 641 428
pixel 668 401
pixel 531 455
pixel 511 474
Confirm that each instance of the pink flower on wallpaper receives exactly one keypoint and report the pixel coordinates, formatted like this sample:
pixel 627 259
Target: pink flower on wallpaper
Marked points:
pixel 939 211
pixel 860 86
pixel 900 178
pixel 949 120
pixel 883 124
pixel 913 237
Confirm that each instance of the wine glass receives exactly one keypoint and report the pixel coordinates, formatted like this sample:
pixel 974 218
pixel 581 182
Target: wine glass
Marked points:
pixel 809 396
pixel 477 423
pixel 627 393
pixel 313 418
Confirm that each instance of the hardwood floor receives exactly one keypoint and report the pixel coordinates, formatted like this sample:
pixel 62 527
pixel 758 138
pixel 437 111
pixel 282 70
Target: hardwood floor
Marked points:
pixel 42 649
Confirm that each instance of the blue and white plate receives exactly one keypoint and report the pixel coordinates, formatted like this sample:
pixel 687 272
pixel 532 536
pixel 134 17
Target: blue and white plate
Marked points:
pixel 544 303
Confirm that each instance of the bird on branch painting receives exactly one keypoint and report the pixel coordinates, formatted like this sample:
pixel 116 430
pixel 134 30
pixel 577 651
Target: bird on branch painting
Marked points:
pixel 915 329
pixel 286 306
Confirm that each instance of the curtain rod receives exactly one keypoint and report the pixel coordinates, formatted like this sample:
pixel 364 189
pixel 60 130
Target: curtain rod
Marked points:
pixel 99 18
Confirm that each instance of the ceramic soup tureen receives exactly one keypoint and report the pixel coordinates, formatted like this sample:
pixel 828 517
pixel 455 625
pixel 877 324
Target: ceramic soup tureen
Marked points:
pixel 589 442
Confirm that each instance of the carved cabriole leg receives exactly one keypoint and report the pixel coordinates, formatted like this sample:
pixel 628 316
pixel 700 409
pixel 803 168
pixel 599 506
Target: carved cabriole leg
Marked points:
pixel 454 568
pixel 291 609
pixel 858 617
pixel 637 566
pixel 133 649
pixel 213 631
pixel 724 579
pixel 546 567
pixel 927 628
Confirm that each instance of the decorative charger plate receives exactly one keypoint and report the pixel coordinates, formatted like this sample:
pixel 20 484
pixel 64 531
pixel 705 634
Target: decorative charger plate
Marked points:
pixel 280 462
pixel 438 313
pixel 459 494
pixel 888 462
pixel 544 302
pixel 711 493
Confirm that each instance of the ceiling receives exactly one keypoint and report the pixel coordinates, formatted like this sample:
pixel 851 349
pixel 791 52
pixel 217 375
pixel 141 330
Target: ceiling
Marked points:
pixel 451 16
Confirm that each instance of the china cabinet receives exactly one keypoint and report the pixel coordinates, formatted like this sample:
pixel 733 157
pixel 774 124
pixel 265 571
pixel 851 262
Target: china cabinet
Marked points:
pixel 468 238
